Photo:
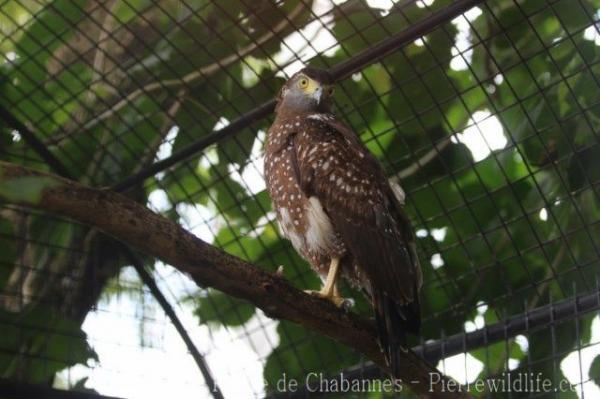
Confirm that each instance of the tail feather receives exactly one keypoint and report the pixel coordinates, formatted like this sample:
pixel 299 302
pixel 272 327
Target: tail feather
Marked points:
pixel 394 322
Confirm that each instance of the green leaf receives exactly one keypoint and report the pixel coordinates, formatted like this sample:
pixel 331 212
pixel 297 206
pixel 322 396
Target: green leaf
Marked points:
pixel 219 309
pixel 128 10
pixel 301 351
pixel 584 167
pixel 50 28
pixel 240 99
pixel 594 372
pixel 186 186
pixel 27 189
pixel 39 343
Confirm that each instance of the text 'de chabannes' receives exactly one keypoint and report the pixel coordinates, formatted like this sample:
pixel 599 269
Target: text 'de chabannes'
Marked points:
pixel 316 382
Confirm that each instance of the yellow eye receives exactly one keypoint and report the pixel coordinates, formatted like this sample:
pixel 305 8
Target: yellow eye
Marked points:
pixel 303 83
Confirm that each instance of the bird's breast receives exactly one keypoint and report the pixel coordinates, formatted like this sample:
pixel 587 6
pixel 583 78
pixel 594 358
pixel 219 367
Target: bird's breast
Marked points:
pixel 302 219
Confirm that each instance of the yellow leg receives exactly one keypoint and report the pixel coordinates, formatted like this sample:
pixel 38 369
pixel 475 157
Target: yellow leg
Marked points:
pixel 330 282
pixel 330 289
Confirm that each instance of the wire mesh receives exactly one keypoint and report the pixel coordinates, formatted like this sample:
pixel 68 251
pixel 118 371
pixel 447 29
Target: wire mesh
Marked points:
pixel 485 111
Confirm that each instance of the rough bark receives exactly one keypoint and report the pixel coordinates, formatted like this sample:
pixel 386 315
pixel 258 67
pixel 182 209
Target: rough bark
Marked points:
pixel 134 224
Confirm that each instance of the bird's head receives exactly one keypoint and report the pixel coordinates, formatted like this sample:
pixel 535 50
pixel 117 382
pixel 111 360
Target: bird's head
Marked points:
pixel 308 90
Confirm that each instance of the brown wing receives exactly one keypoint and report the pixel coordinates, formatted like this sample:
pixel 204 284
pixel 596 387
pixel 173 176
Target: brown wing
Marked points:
pixel 402 221
pixel 334 166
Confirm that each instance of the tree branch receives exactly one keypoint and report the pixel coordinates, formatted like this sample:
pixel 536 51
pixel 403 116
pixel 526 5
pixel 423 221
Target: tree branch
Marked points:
pixel 208 266
pixel 203 72
pixel 423 161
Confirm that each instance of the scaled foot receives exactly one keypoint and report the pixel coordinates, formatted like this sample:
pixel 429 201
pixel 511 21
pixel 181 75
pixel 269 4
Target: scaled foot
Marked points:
pixel 337 300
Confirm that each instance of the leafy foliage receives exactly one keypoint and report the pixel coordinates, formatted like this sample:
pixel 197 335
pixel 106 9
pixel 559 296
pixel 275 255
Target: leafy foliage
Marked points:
pixel 594 373
pixel 48 342
pixel 26 189
pixel 527 66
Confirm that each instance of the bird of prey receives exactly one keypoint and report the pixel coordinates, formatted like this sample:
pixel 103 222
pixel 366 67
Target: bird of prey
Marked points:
pixel 334 203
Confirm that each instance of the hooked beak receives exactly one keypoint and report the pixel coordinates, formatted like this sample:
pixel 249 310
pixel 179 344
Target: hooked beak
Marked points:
pixel 314 91
pixel 318 93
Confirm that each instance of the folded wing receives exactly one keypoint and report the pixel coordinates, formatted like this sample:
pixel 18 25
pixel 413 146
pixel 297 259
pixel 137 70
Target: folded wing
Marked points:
pixel 334 166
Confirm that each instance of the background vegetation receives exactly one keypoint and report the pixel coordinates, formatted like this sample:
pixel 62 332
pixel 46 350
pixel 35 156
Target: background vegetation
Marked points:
pixel 106 84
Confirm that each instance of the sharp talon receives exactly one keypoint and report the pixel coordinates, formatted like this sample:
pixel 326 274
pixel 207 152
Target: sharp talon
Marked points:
pixel 340 302
pixel 348 303
pixel 279 271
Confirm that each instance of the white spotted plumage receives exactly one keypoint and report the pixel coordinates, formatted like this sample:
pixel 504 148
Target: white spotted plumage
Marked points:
pixel 333 201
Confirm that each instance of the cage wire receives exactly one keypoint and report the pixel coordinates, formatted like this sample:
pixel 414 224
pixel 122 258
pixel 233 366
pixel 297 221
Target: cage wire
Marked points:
pixel 486 112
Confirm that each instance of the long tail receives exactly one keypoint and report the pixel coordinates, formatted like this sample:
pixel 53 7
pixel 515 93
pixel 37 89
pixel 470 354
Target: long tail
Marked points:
pixel 393 324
